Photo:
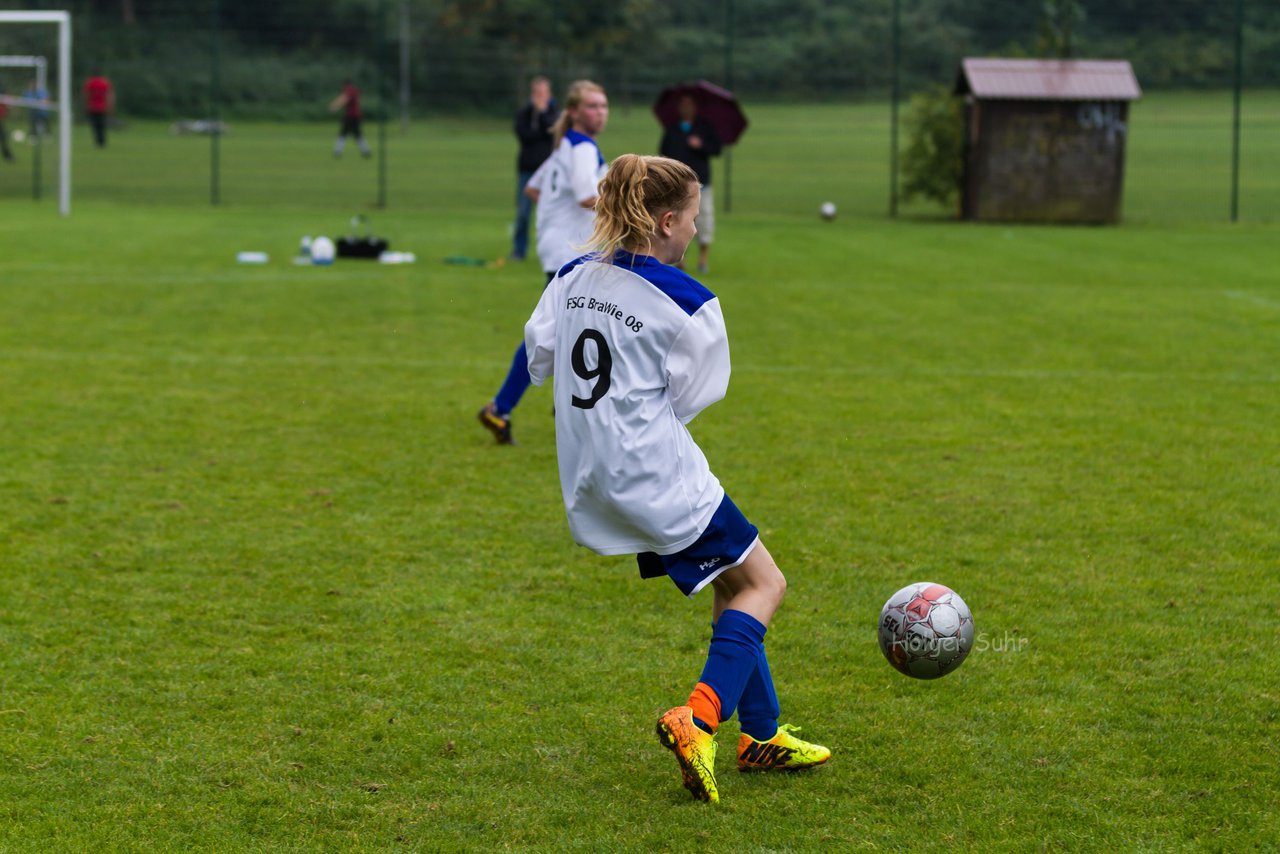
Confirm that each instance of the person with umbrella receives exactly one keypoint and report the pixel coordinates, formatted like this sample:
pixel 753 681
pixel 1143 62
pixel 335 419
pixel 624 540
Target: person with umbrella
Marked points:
pixel 693 141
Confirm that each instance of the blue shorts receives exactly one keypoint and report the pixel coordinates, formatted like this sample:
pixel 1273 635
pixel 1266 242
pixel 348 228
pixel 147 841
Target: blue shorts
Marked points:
pixel 726 542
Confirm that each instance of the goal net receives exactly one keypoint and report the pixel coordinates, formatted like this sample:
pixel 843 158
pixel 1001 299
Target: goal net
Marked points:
pixel 31 111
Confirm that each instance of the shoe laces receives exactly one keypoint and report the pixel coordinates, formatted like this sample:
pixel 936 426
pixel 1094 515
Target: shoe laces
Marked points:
pixel 788 732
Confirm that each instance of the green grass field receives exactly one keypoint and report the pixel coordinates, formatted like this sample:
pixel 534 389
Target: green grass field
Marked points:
pixel 265 585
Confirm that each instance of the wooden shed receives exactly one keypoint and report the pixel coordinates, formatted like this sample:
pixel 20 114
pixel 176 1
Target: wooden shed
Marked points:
pixel 1045 139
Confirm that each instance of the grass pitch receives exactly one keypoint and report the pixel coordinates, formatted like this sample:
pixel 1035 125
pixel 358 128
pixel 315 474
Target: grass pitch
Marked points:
pixel 266 585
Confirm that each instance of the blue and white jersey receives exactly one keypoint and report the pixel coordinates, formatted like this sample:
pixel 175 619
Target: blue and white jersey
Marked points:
pixel 638 349
pixel 567 178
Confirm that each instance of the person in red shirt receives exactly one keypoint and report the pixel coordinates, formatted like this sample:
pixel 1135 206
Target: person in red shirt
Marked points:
pixel 348 101
pixel 99 102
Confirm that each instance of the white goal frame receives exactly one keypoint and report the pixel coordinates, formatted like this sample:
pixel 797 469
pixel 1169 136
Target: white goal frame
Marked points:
pixel 41 65
pixel 63 105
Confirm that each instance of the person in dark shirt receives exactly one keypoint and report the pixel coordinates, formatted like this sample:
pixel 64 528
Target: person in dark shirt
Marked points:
pixel 693 141
pixel 4 134
pixel 533 128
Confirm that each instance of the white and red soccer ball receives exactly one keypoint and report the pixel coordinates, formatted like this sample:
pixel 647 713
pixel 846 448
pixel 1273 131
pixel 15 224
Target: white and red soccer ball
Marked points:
pixel 925 630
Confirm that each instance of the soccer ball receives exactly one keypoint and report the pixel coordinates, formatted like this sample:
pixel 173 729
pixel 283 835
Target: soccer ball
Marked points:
pixel 322 251
pixel 827 210
pixel 19 136
pixel 925 630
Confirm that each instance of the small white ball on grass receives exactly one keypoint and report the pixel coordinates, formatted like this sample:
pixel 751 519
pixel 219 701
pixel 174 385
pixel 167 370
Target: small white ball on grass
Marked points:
pixel 828 210
pixel 19 136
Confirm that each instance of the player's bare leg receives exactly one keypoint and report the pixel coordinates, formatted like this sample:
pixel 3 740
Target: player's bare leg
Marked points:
pixel 756 587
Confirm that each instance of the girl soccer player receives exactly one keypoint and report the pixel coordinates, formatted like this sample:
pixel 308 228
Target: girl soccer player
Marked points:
pixel 565 188
pixel 639 348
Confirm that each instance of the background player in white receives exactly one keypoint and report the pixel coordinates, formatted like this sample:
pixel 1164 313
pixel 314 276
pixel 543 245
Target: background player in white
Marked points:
pixel 565 190
pixel 638 348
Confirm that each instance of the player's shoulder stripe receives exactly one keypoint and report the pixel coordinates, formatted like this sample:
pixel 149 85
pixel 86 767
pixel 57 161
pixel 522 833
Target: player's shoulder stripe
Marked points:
pixel 568 268
pixel 577 138
pixel 678 286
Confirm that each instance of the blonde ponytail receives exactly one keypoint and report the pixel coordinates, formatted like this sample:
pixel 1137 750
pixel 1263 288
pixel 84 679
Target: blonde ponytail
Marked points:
pixel 635 192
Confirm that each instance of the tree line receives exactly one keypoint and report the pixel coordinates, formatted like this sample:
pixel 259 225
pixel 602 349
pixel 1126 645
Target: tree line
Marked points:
pixel 283 58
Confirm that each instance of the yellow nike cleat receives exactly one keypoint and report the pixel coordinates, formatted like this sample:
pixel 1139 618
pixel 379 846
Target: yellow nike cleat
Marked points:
pixel 695 750
pixel 498 425
pixel 783 752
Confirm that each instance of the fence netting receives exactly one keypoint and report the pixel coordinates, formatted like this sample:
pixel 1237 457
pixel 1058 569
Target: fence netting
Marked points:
pixel 262 76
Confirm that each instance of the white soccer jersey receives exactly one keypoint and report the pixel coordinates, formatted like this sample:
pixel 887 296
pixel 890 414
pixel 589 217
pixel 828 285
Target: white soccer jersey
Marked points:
pixel 638 349
pixel 564 180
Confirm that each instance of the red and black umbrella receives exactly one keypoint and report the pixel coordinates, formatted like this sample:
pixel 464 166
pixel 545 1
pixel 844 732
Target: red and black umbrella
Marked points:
pixel 718 106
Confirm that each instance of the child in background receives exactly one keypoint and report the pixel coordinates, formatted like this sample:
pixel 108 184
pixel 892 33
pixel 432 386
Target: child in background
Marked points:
pixel 348 101
pixel 99 103
pixel 639 348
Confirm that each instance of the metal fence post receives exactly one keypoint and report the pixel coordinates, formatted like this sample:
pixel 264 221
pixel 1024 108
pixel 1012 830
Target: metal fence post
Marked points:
pixel 895 42
pixel 404 66
pixel 382 102
pixel 215 112
pixel 1235 119
pixel 728 84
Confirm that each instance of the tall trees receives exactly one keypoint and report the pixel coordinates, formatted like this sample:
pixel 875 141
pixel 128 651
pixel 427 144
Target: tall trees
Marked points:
pixel 477 52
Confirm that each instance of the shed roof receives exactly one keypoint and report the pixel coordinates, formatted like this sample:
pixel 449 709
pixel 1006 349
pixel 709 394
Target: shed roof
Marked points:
pixel 1048 79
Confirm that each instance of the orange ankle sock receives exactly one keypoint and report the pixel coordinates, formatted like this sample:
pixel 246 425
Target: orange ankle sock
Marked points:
pixel 706 705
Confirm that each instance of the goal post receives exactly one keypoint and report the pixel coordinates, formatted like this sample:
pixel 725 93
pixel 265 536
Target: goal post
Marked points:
pixel 41 66
pixel 63 105
pixel 37 104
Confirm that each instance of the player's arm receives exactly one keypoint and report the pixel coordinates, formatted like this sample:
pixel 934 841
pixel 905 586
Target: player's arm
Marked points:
pixel 585 159
pixel 538 180
pixel 540 333
pixel 338 103
pixel 698 364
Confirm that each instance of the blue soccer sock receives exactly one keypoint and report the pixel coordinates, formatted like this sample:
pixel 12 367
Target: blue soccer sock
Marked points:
pixel 513 387
pixel 734 654
pixel 758 708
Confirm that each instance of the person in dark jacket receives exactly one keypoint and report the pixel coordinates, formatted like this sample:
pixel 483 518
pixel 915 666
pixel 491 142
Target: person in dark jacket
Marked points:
pixel 693 141
pixel 533 129
pixel 348 101
pixel 4 134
